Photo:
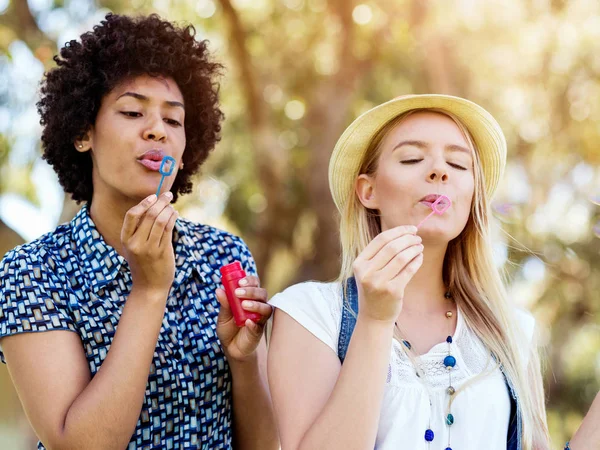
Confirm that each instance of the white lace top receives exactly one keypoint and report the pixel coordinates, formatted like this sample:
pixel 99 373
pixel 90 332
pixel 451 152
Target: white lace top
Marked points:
pixel 481 411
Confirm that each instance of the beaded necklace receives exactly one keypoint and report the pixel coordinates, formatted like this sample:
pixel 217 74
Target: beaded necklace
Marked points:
pixel 449 362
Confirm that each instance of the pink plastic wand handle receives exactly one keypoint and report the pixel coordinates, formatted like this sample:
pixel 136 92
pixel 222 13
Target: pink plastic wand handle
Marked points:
pixel 422 221
pixel 438 207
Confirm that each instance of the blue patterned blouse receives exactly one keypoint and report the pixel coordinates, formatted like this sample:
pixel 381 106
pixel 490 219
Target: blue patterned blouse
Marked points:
pixel 71 279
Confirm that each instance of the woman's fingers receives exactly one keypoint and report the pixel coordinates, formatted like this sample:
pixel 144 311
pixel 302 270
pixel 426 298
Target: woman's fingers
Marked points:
pixel 264 309
pixel 255 300
pixel 405 275
pixel 252 293
pixel 399 261
pixel 142 234
pixel 392 250
pixel 382 239
pixel 167 235
pixel 134 215
pixel 224 302
pixel 250 280
pixel 159 225
pixel 250 336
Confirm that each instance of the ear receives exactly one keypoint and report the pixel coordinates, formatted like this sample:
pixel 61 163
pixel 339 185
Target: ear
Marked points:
pixel 365 190
pixel 85 142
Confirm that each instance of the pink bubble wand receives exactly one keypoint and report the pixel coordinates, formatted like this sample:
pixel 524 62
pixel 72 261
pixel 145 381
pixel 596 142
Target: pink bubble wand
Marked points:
pixel 438 207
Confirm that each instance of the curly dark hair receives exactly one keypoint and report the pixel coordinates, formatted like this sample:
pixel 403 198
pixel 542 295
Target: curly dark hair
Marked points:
pixel 119 48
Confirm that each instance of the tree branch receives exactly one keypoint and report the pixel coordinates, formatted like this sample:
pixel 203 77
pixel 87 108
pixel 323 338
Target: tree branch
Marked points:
pixel 20 19
pixel 242 57
pixel 271 160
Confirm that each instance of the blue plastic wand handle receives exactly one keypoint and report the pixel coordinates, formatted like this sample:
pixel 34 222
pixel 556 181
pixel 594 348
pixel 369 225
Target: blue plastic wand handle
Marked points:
pixel 165 173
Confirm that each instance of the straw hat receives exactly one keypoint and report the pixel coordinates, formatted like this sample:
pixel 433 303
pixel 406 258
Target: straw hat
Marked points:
pixel 351 146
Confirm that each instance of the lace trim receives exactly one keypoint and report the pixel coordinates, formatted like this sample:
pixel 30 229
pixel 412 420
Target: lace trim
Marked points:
pixel 472 358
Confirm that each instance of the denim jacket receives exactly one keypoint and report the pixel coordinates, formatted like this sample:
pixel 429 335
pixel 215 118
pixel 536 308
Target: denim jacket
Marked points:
pixel 349 314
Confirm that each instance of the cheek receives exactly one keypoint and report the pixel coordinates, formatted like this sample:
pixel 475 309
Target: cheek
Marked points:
pixel 109 137
pixel 179 139
pixel 109 153
pixel 466 187
pixel 394 183
pixel 466 196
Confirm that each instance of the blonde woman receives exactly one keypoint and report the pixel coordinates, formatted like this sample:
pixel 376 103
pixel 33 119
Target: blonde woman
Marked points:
pixel 416 345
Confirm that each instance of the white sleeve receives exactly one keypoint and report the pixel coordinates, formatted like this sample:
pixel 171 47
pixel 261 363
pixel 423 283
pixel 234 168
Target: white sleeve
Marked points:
pixel 315 306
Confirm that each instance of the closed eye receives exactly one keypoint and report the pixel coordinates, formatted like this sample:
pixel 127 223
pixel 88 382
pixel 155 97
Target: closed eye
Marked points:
pixel 173 122
pixel 456 166
pixel 131 113
pixel 134 114
pixel 415 161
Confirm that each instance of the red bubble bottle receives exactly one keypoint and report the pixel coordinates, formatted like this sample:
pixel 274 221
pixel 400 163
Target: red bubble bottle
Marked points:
pixel 231 274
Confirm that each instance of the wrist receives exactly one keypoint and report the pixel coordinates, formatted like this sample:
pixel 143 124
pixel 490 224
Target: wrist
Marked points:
pixel 378 333
pixel 375 323
pixel 244 369
pixel 149 294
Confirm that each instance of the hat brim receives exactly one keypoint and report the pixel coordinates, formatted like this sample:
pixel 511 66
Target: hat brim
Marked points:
pixel 350 148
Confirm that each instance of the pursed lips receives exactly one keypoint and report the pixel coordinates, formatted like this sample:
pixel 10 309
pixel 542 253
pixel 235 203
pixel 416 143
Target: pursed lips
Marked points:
pixel 429 199
pixel 152 159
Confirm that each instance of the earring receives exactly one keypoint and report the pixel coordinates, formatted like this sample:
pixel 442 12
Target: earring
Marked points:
pixel 80 146
pixel 181 166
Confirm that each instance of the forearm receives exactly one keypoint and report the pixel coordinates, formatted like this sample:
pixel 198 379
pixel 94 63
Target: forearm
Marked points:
pixel 105 414
pixel 588 434
pixel 253 418
pixel 350 418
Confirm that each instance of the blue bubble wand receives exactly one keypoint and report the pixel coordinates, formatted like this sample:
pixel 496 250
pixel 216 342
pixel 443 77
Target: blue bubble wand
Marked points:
pixel 165 172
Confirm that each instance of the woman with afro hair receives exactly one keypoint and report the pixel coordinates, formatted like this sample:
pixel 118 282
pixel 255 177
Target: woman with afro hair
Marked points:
pixel 113 326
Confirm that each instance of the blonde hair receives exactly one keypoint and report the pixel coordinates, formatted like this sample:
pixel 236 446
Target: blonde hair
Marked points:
pixel 472 279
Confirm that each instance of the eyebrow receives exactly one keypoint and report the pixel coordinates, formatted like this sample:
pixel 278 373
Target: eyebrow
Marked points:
pixel 143 98
pixel 425 145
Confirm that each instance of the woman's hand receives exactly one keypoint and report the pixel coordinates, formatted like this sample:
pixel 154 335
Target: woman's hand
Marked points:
pixel 383 269
pixel 240 343
pixel 146 237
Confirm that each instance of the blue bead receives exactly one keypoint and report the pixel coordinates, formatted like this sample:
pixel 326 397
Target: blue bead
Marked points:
pixel 407 344
pixel 449 339
pixel 449 361
pixel 429 435
pixel 448 448
pixel 449 419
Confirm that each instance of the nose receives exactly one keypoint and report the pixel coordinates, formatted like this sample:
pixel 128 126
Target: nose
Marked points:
pixel 155 130
pixel 438 171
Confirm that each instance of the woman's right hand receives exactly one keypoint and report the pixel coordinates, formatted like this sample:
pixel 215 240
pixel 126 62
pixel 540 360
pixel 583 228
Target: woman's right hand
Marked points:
pixel 146 237
pixel 383 269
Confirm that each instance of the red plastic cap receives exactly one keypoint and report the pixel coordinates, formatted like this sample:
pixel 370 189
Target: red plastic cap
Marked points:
pixel 230 268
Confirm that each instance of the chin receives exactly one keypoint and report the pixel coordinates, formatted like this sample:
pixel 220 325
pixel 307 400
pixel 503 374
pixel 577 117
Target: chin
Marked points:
pixel 436 234
pixel 140 193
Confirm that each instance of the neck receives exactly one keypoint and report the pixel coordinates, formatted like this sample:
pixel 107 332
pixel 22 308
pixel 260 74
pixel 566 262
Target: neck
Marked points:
pixel 425 293
pixel 108 215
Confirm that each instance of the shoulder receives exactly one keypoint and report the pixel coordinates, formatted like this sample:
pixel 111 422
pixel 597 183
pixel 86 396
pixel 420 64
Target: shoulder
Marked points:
pixel 323 292
pixel 32 291
pixel 208 235
pixel 214 246
pixel 316 306
pixel 49 249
